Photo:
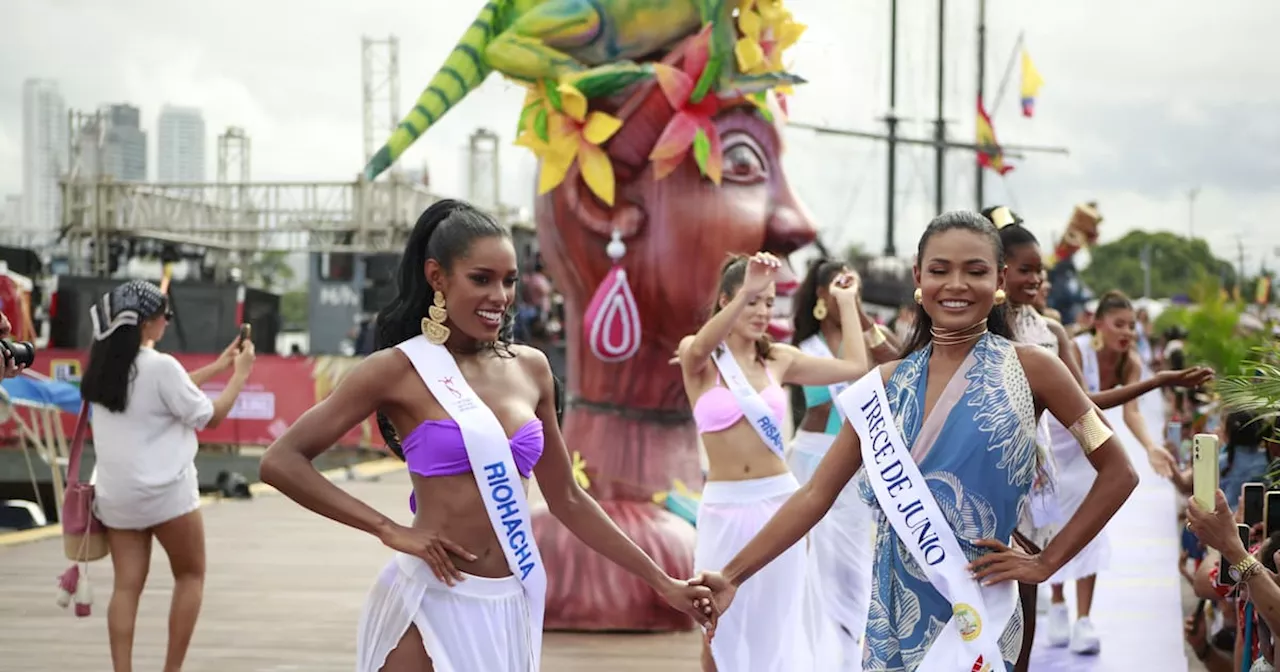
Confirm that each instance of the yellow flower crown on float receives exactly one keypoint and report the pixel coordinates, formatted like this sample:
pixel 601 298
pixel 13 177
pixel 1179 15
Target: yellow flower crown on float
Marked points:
pixel 557 124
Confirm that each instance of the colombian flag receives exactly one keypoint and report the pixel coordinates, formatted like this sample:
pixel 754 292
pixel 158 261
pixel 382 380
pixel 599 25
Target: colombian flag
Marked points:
pixel 989 153
pixel 1031 83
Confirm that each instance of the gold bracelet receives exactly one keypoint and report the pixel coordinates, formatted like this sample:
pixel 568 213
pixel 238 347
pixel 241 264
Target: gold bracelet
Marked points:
pixel 1246 569
pixel 1090 431
pixel 875 337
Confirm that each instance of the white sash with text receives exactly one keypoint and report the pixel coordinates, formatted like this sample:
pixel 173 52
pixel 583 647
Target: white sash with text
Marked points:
pixel 494 468
pixel 753 406
pixel 970 642
pixel 816 346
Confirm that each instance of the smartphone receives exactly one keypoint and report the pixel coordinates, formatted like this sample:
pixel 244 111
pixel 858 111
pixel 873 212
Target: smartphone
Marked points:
pixel 1224 575
pixel 245 331
pixel 1254 503
pixel 1204 465
pixel 1271 513
pixel 1173 435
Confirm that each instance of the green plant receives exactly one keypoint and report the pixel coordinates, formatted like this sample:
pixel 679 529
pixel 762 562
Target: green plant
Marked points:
pixel 1256 389
pixel 1213 338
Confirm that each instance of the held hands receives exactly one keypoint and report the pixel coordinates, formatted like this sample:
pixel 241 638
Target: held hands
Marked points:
pixel 1188 378
pixel 722 592
pixel 429 545
pixel 762 270
pixel 693 600
pixel 1008 564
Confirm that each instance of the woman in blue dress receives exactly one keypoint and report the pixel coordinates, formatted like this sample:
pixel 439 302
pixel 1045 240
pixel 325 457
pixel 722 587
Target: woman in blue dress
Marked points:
pixel 963 403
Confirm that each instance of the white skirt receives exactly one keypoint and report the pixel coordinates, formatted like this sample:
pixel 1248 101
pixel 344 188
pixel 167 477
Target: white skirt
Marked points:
pixel 1075 476
pixel 763 630
pixel 480 624
pixel 123 506
pixel 841 550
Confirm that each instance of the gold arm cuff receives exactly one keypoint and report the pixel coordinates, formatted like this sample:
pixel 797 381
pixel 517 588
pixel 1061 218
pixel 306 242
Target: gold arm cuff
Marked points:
pixel 875 337
pixel 1090 431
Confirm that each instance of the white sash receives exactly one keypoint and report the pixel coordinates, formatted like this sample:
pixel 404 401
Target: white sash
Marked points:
pixel 494 468
pixel 979 614
pixel 816 346
pixel 753 406
pixel 1089 362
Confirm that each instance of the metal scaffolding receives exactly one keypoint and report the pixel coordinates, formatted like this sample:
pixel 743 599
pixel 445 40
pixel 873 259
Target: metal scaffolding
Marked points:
pixel 380 77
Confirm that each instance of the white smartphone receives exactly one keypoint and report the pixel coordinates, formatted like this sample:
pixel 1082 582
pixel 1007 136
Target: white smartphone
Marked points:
pixel 1204 465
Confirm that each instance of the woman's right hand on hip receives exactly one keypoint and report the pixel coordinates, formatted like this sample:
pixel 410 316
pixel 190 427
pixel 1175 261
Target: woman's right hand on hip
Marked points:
pixel 431 546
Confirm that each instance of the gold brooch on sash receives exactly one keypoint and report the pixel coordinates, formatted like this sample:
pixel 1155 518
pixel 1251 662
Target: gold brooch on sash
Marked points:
pixel 967 621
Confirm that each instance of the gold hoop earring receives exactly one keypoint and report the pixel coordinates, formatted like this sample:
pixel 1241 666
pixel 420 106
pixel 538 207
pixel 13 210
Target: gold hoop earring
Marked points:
pixel 1000 297
pixel 433 325
pixel 919 295
pixel 820 309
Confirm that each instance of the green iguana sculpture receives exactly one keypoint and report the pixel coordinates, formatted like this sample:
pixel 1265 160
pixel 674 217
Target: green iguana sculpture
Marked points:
pixel 592 45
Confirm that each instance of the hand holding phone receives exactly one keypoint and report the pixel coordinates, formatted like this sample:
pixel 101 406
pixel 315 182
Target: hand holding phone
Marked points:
pixel 245 331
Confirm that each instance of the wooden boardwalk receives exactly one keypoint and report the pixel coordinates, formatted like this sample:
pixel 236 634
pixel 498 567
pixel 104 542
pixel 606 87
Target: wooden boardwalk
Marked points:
pixel 283 594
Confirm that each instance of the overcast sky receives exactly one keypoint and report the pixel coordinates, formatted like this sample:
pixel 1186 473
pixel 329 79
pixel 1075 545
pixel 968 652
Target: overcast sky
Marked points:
pixel 1152 97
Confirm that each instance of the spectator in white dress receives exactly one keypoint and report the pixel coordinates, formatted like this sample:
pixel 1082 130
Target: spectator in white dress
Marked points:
pixel 146 410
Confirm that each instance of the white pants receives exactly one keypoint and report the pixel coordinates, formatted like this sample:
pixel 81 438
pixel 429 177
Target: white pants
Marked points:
pixel 841 550
pixel 478 625
pixel 763 629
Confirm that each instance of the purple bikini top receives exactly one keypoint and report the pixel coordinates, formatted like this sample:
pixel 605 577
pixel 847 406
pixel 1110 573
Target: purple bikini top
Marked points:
pixel 436 448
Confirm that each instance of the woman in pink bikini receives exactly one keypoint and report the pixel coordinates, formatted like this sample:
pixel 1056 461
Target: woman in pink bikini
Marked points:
pixel 733 375
pixel 477 414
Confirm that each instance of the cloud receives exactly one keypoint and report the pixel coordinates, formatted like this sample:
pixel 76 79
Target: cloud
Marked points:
pixel 1152 99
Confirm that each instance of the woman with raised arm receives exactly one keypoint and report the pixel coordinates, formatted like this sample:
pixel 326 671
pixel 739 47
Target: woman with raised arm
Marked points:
pixel 948 436
pixel 1023 279
pixel 733 375
pixel 474 417
pixel 840 546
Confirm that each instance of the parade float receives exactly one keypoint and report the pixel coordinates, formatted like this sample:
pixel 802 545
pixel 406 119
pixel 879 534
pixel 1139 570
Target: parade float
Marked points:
pixel 659 139
pixel 1068 294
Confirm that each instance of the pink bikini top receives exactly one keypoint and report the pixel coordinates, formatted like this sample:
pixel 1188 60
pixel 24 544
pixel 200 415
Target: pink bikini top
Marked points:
pixel 436 448
pixel 717 409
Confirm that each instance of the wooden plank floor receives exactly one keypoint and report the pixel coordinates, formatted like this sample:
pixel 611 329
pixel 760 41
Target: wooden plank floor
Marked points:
pixel 283 593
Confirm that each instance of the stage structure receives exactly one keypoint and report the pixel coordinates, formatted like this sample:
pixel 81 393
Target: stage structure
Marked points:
pixel 651 172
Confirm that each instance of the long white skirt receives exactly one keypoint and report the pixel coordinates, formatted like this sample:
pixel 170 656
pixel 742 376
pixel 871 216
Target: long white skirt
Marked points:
pixel 841 550
pixel 127 506
pixel 763 630
pixel 480 624
pixel 1075 476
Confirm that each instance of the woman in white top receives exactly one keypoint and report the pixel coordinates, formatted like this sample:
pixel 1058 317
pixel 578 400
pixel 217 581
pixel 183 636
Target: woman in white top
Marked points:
pixel 146 410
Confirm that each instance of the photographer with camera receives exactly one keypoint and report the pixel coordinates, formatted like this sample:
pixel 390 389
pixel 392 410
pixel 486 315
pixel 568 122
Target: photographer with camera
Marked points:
pixel 17 355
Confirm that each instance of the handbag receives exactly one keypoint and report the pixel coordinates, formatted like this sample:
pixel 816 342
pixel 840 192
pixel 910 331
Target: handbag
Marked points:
pixel 84 537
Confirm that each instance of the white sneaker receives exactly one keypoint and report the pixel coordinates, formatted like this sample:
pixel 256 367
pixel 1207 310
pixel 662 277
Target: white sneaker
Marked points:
pixel 1058 631
pixel 1083 638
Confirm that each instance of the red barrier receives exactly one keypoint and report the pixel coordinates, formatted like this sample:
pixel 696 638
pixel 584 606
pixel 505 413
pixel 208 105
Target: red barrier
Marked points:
pixel 278 392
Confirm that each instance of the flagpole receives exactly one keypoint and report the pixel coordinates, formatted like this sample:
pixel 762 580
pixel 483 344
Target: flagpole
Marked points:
pixel 940 124
pixel 891 119
pixel 982 77
pixel 1004 81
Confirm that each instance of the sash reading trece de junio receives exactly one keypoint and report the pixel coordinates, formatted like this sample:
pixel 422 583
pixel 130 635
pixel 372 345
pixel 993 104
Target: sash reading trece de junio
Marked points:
pixel 816 346
pixel 753 406
pixel 979 613
pixel 494 468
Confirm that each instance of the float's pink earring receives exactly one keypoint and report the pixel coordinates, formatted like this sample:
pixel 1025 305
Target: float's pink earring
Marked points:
pixel 612 319
pixel 919 295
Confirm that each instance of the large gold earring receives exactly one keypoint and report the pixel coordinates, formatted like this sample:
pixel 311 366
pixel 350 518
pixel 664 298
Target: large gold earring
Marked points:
pixel 433 325
pixel 1000 297
pixel 919 295
pixel 820 309
pixel 1096 341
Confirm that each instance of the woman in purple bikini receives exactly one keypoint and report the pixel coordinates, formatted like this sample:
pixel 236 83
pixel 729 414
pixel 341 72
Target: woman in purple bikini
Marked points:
pixel 477 414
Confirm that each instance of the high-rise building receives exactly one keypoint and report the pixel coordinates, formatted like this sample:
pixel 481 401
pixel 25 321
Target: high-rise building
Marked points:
pixel 44 154
pixel 180 145
pixel 118 149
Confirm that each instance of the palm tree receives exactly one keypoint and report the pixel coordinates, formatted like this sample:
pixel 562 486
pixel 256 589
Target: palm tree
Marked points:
pixel 1257 389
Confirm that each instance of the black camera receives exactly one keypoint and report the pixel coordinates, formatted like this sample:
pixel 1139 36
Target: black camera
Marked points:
pixel 22 353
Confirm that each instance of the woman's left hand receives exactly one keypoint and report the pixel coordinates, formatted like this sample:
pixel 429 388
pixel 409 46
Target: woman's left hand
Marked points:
pixel 1162 461
pixel 1008 564
pixel 1215 529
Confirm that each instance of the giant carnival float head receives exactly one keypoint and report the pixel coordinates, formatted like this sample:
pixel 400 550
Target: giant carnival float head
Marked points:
pixel 659 140
pixel 1067 293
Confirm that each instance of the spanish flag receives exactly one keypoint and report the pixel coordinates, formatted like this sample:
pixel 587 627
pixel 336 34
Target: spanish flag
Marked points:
pixel 989 153
pixel 1031 83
